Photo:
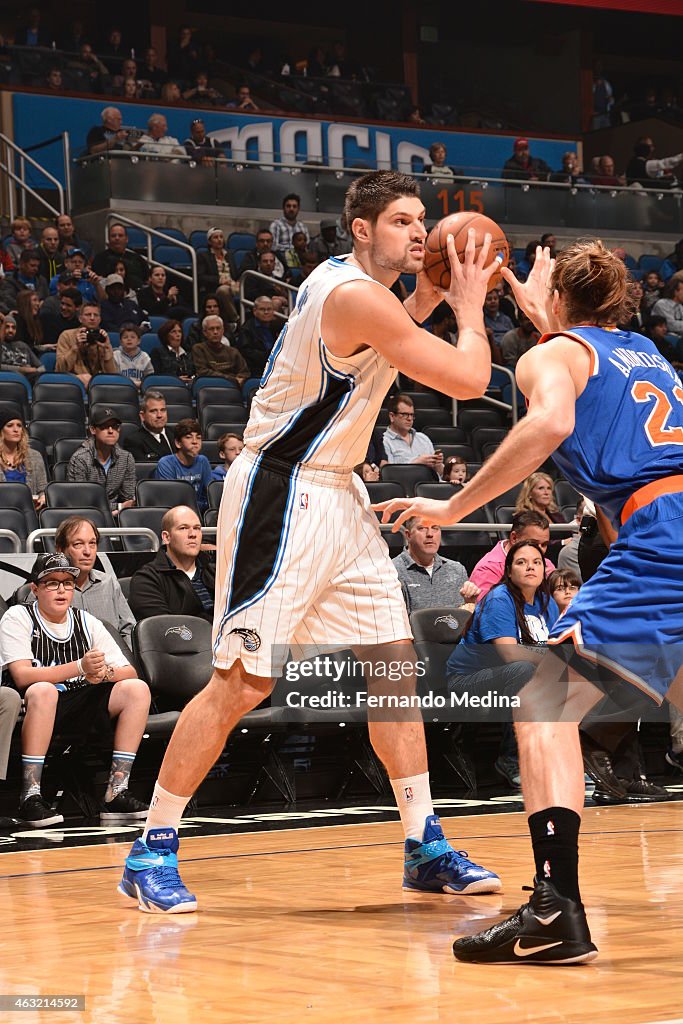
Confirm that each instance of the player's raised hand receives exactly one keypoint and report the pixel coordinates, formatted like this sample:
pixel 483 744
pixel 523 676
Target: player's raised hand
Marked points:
pixel 469 279
pixel 429 511
pixel 535 295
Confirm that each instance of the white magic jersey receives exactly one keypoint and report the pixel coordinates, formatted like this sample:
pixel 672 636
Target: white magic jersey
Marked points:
pixel 312 407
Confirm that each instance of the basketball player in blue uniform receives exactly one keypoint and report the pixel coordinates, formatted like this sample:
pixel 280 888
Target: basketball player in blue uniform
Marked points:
pixel 300 556
pixel 609 409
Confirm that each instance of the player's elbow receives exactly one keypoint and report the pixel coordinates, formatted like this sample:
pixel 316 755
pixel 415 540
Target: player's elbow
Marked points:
pixel 474 385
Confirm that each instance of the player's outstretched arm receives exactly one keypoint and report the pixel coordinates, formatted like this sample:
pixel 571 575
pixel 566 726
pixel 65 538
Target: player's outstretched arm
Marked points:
pixel 545 376
pixel 364 314
pixel 534 295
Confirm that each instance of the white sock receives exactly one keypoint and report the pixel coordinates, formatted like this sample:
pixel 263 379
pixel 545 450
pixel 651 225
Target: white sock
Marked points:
pixel 165 810
pixel 414 802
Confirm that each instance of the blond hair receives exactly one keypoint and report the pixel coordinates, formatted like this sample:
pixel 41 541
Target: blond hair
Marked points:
pixel 593 284
pixel 524 502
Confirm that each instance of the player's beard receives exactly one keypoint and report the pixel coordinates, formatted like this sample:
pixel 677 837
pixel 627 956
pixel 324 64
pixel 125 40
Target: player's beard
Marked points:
pixel 405 264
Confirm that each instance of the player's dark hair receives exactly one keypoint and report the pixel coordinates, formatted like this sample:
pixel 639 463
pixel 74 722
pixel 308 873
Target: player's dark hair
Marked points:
pixel 529 517
pixel 370 194
pixel 593 284
pixel 396 400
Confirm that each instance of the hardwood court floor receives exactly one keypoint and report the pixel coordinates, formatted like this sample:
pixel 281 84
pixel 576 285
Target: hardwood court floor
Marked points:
pixel 312 925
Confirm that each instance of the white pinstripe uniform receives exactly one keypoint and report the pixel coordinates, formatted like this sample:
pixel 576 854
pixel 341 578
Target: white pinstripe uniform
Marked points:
pixel 300 555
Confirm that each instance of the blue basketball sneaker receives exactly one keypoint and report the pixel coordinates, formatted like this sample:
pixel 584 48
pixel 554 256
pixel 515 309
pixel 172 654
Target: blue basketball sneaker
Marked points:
pixel 151 877
pixel 434 866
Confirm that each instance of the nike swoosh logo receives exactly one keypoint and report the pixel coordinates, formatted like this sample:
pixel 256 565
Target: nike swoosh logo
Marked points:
pixel 548 920
pixel 522 951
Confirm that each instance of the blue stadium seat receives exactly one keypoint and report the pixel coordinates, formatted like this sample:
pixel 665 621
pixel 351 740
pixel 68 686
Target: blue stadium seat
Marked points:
pixel 172 233
pixel 648 262
pixel 199 383
pixel 137 239
pixel 49 360
pixel 160 380
pixel 157 321
pixel 172 256
pixel 242 240
pixel 53 378
pixel 630 262
pixel 115 338
pixel 114 378
pixel 17 378
pixel 187 323
pixel 198 240
pixel 238 256
pixel 149 341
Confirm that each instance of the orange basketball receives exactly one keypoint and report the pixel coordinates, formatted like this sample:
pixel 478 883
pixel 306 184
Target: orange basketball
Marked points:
pixel 436 261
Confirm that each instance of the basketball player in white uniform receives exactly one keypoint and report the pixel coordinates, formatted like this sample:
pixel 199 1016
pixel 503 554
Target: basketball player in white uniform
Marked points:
pixel 300 555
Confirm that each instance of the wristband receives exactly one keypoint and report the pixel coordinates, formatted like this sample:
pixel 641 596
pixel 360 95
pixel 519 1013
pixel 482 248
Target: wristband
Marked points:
pixel 79 667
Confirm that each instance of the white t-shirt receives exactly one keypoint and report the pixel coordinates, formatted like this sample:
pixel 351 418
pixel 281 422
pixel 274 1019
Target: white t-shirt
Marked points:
pixel 16 627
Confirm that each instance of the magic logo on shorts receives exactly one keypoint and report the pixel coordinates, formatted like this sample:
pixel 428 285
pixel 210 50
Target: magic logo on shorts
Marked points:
pixel 251 641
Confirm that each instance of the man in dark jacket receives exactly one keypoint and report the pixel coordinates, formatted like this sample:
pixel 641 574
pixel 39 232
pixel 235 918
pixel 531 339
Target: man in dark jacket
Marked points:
pixel 150 442
pixel 522 166
pixel 137 269
pixel 257 336
pixel 178 580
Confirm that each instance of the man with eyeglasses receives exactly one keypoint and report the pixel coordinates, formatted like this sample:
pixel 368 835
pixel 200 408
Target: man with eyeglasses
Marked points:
pixel 403 443
pixel 72 676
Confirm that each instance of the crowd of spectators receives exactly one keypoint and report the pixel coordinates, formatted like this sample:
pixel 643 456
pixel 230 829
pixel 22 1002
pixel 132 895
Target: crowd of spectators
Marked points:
pixel 643 170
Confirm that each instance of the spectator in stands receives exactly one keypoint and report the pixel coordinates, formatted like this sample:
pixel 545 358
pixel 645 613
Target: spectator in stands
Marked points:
pixel 294 255
pixel 94 74
pixel 603 100
pixel 116 309
pixel 644 170
pixel 24 278
pixel 110 135
pixel 117 249
pixel 201 93
pixel 16 356
pixel 19 463
pixel 327 243
pixel 55 655
pixel 200 147
pixel 170 357
pixel 521 166
pixel 653 286
pixel 570 172
pixel 128 292
pixel 309 261
pixel 179 580
pixel 54 81
pixel 264 243
pixel 10 709
pixel 254 286
pixel 96 592
pixel 257 335
pixel 150 442
pixel 429 580
pixel 88 283
pixel 537 494
pixel 170 93
pixel 519 340
pixel 455 471
pixel 158 297
pixel 19 239
pixel 402 443
pixel 656 329
pixel 496 651
pixel 606 175
pixel 498 323
pixel 444 325
pixel 184 55
pixel 85 350
pixel 51 259
pixel 671 306
pixel 35 34
pixel 187 463
pixel 564 585
pixel 284 227
pixel 131 361
pixel 213 358
pixel 216 273
pixel 157 141
pixel 68 238
pixel 208 306
pixel 529 526
pixel 636 321
pixel 437 165
pixel 101 460
pixel 151 70
pixel 229 447
pixel 130 89
pixel 568 557
pixel 673 262
pixel 66 319
pixel 243 99
pixel 114 47
pixel 29 327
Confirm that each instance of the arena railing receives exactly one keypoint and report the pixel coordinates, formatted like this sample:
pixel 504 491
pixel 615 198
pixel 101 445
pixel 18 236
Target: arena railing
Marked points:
pixel 104 531
pixel 167 240
pixel 13 163
pixel 248 304
pixel 14 538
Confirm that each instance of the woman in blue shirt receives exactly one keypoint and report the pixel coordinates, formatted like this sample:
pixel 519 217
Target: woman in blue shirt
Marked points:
pixel 496 653
pixel 18 462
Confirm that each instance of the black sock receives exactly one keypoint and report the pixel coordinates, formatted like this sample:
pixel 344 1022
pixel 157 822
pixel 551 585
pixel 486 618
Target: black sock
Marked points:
pixel 555 839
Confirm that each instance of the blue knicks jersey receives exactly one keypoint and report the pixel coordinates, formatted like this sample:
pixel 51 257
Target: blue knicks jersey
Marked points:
pixel 629 419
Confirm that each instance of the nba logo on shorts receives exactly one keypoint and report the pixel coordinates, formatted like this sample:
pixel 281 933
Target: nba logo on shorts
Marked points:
pixel 303 502
pixel 408 791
